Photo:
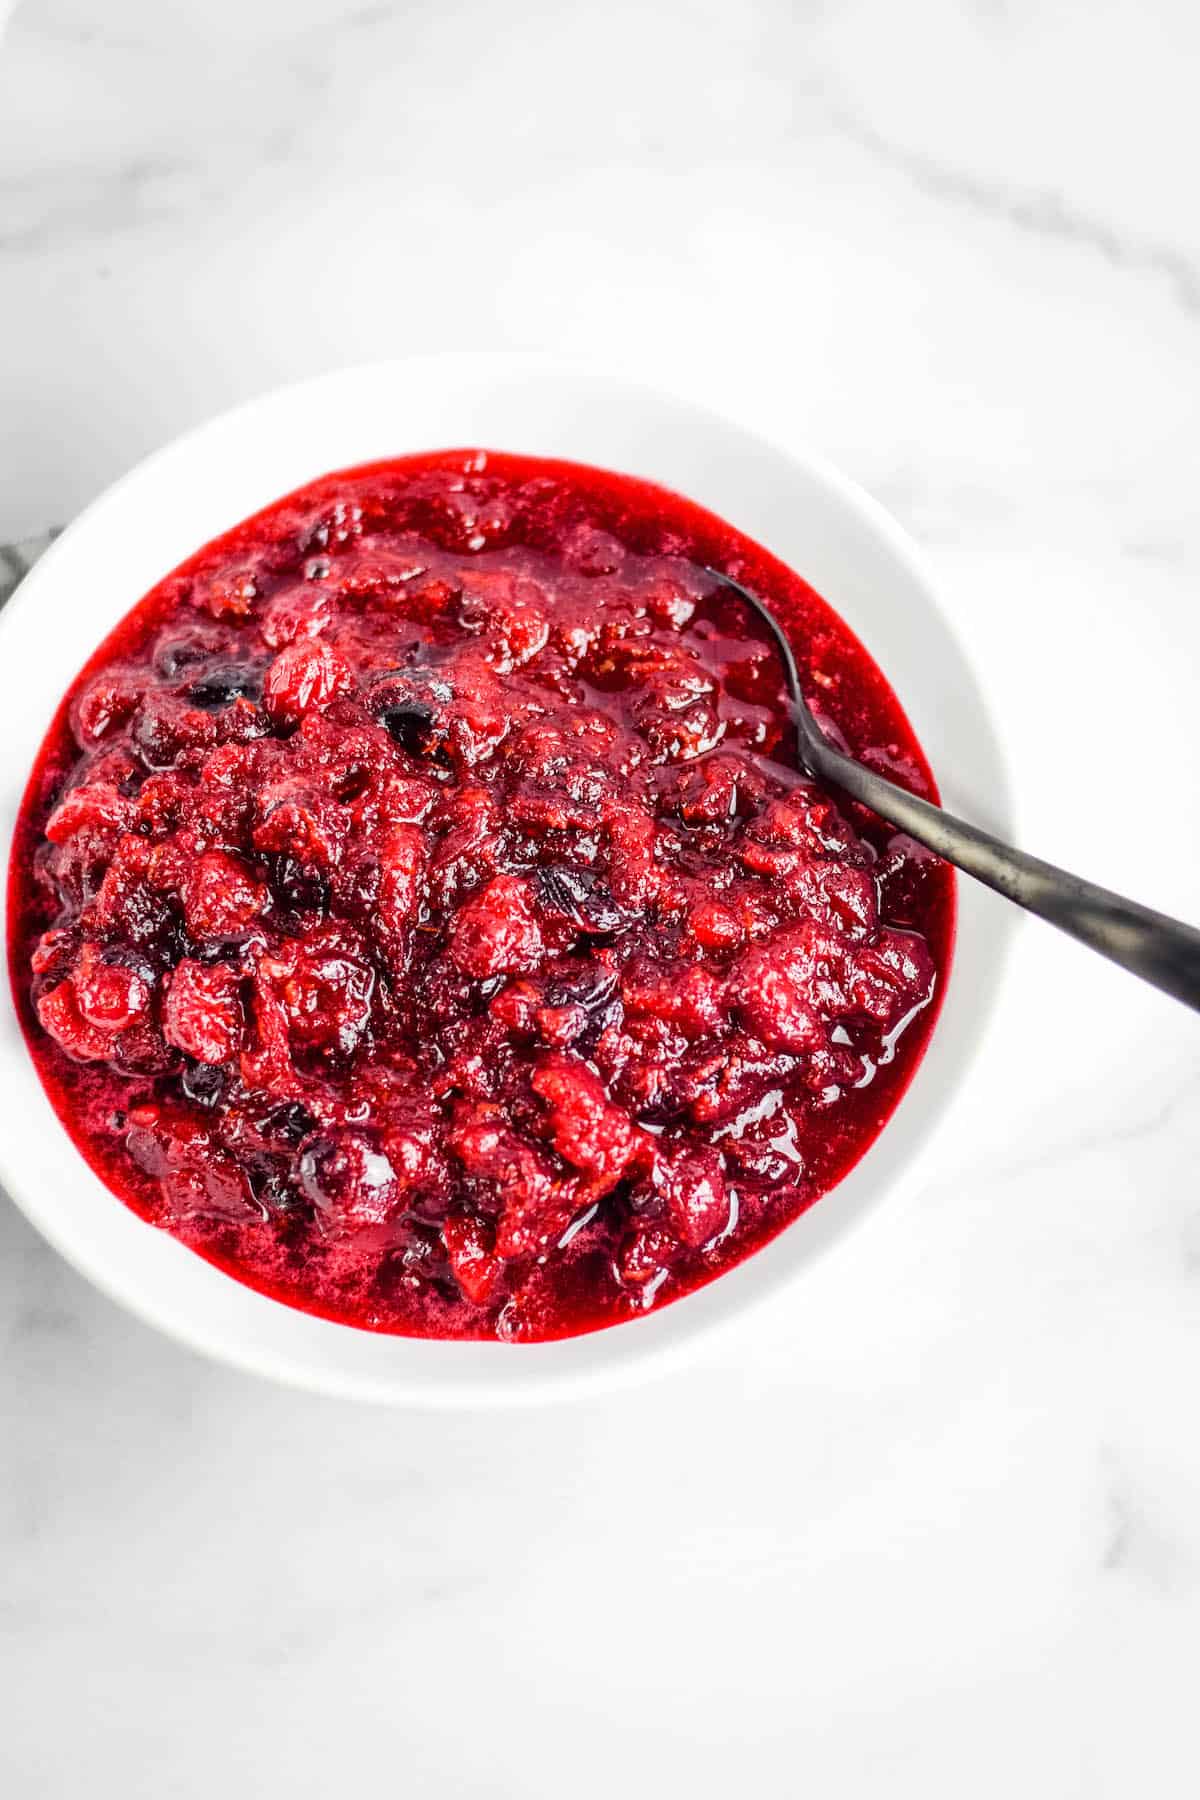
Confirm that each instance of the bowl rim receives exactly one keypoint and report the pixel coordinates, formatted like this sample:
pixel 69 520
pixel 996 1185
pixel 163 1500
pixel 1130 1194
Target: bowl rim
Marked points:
pixel 454 1374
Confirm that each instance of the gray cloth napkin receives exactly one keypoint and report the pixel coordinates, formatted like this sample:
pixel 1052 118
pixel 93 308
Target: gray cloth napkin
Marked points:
pixel 16 560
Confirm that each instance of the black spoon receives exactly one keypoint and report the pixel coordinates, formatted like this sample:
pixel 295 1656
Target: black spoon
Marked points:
pixel 1161 950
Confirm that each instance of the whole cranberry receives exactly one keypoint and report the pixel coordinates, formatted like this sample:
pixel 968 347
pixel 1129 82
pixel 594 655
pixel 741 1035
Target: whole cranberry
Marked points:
pixel 59 1013
pixel 470 1248
pixel 693 1185
pixel 349 1179
pixel 202 1014
pixel 220 897
pixel 495 932
pixel 103 705
pixel 304 677
pixel 111 993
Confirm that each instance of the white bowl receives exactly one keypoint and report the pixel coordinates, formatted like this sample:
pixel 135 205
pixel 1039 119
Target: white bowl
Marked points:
pixel 810 516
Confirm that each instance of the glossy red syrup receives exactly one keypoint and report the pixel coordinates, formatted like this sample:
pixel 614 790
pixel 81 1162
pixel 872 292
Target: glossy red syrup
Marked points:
pixel 417 910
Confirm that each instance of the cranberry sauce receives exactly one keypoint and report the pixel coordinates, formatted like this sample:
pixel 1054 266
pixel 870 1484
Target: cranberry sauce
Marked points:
pixel 416 908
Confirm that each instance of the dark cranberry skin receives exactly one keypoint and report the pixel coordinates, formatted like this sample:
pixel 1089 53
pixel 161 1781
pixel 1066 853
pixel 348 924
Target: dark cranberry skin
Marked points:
pixel 296 886
pixel 203 1083
pixel 290 1123
pixel 410 725
pixel 220 686
pixel 348 1178
pixel 583 897
pixel 174 659
pixel 416 911
pixel 410 704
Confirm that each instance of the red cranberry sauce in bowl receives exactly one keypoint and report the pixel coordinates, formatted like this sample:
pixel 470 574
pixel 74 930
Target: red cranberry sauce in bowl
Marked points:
pixel 417 909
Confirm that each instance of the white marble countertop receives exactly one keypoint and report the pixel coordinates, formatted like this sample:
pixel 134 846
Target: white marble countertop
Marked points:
pixel 930 1525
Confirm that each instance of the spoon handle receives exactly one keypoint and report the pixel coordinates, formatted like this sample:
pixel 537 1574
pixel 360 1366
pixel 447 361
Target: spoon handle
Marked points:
pixel 1162 951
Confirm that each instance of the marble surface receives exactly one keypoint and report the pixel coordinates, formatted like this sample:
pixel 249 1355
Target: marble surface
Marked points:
pixel 930 1525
